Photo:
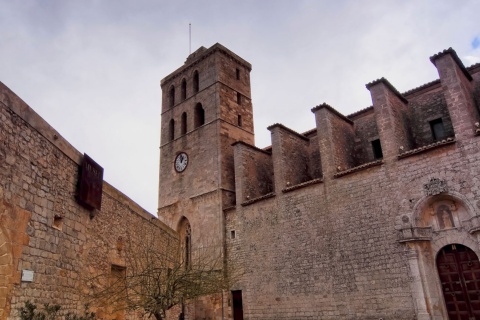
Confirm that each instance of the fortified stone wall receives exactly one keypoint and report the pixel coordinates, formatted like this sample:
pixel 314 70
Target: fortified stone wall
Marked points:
pixel 362 242
pixel 45 230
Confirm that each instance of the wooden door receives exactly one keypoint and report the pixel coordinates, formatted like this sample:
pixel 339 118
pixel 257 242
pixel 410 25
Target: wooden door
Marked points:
pixel 459 271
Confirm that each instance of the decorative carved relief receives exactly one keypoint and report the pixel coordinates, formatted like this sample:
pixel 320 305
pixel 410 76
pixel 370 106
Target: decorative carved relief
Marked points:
pixel 435 186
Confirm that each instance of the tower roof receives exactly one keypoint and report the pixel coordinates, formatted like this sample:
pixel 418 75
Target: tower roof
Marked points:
pixel 202 53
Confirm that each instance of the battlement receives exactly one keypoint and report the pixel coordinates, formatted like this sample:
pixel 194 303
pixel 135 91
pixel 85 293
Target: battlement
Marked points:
pixel 200 54
pixel 434 116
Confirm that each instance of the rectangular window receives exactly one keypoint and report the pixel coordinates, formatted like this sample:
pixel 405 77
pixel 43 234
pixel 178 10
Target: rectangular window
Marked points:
pixel 377 149
pixel 239 98
pixel 238 73
pixel 118 284
pixel 438 129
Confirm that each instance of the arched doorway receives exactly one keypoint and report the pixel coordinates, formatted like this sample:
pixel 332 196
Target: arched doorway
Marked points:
pixel 459 271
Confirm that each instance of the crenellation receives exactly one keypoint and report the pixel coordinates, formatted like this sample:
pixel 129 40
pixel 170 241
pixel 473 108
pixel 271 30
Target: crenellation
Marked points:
pixel 253 172
pixel 391 115
pixel 366 133
pixel 292 159
pixel 336 140
pixel 458 90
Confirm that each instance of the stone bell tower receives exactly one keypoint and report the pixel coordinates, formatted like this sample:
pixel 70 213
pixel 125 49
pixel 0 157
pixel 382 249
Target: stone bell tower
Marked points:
pixel 206 106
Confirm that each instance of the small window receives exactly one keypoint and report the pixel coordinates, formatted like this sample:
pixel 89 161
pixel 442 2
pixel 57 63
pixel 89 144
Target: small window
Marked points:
pixel 239 120
pixel 239 98
pixel 57 222
pixel 438 129
pixel 172 96
pixel 118 284
pixel 184 123
pixel 196 82
pixel 377 149
pixel 232 234
pixel 171 130
pixel 238 74
pixel 184 89
pixel 117 276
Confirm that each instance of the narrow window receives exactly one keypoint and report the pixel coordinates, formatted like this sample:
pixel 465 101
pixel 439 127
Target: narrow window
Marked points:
pixel 195 82
pixel 184 89
pixel 172 96
pixel 437 128
pixel 118 284
pixel 118 273
pixel 57 222
pixel 184 123
pixel 239 98
pixel 186 241
pixel 232 234
pixel 239 120
pixel 377 149
pixel 238 73
pixel 171 130
pixel 188 246
pixel 199 117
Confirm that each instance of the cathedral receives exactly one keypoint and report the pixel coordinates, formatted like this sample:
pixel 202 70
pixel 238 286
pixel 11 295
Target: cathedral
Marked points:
pixel 372 215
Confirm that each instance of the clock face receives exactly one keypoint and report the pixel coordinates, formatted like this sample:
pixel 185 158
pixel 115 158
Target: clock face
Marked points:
pixel 181 162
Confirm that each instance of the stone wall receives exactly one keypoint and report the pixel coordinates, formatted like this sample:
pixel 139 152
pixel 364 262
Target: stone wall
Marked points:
pixel 362 242
pixel 45 230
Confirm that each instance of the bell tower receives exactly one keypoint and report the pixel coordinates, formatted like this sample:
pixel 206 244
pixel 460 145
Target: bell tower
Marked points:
pixel 206 106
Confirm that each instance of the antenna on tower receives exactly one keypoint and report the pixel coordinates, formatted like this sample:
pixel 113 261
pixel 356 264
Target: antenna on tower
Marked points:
pixel 190 38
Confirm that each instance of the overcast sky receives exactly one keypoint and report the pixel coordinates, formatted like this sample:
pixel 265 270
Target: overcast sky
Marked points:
pixel 92 68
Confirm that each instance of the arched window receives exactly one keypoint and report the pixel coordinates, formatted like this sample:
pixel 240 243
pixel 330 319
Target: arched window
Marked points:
pixel 172 96
pixel 184 123
pixel 171 130
pixel 188 245
pixel 195 82
pixel 184 89
pixel 199 117
pixel 185 233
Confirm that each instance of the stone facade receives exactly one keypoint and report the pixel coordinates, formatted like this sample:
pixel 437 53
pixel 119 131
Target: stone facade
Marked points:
pixel 354 219
pixel 345 221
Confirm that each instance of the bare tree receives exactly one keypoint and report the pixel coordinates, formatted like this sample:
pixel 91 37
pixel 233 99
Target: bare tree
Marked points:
pixel 157 277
